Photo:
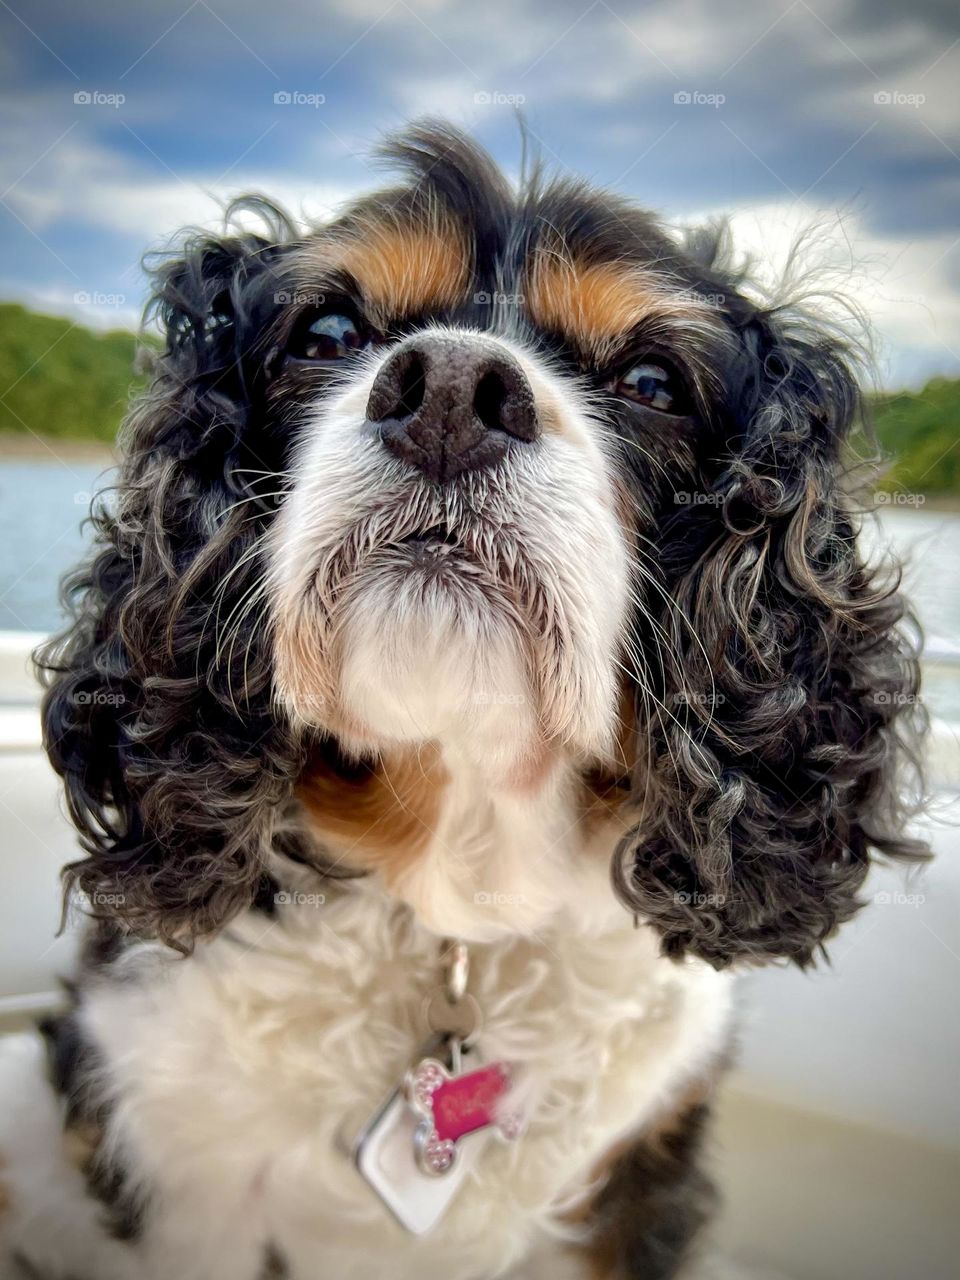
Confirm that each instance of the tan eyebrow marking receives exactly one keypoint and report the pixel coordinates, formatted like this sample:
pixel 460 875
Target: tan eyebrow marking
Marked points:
pixel 597 304
pixel 400 267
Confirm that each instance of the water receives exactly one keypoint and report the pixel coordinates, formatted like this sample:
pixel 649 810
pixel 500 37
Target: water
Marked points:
pixel 928 542
pixel 42 505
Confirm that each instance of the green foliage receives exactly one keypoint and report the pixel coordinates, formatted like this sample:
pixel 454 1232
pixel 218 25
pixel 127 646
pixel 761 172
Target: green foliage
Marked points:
pixel 58 378
pixel 920 431
pixel 66 380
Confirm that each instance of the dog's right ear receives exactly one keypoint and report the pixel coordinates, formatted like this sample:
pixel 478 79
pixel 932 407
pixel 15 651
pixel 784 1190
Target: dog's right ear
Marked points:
pixel 157 709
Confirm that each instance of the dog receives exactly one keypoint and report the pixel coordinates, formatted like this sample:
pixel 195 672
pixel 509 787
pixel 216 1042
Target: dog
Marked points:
pixel 476 666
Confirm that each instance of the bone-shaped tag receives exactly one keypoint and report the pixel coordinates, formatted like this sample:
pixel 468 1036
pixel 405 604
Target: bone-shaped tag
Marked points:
pixel 452 1106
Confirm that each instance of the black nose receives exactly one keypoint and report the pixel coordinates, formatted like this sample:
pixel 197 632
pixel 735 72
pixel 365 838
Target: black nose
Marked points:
pixel 450 403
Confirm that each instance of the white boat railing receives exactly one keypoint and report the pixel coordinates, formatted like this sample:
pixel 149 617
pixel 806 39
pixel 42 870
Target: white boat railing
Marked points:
pixel 18 684
pixel 20 693
pixel 940 653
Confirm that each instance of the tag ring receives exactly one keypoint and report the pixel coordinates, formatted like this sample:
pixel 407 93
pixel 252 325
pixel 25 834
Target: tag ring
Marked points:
pixel 462 1019
pixel 456 970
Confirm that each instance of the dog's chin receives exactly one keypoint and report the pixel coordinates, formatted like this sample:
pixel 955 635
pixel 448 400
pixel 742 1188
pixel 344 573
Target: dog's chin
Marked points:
pixel 432 650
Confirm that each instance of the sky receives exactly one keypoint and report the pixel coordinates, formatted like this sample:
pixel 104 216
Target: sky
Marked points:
pixel 126 119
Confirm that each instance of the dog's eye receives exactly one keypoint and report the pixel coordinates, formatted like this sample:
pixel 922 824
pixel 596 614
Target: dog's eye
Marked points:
pixel 327 338
pixel 656 385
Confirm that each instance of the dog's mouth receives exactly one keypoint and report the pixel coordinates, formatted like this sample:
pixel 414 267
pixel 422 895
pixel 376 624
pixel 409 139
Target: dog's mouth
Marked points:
pixel 440 554
pixel 436 541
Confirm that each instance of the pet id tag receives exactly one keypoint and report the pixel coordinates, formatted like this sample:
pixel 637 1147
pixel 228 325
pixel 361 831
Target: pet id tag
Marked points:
pixel 413 1152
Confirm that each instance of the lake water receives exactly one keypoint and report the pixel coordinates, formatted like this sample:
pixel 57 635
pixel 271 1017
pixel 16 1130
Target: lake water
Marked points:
pixel 43 504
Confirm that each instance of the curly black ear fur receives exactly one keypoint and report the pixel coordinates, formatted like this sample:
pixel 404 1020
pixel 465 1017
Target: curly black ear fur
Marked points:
pixel 790 679
pixel 157 712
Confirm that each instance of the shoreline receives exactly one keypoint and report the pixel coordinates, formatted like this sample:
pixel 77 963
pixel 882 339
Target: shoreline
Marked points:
pixel 948 503
pixel 16 446
pixel 52 450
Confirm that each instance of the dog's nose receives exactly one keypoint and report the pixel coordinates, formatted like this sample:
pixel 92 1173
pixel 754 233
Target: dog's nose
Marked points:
pixel 449 403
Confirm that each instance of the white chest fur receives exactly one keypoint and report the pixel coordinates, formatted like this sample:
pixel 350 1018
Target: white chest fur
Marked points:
pixel 241 1075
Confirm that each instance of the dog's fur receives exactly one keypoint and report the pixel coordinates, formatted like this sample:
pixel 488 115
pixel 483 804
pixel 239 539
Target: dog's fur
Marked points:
pixel 322 706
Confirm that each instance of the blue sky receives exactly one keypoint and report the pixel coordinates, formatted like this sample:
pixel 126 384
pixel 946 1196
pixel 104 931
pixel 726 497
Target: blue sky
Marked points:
pixel 124 121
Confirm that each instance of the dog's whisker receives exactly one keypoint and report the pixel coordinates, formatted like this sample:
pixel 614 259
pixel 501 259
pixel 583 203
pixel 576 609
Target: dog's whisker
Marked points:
pixel 254 497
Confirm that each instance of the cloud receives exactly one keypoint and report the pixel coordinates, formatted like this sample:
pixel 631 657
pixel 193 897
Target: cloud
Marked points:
pixel 798 125
pixel 96 310
pixel 902 287
pixel 85 183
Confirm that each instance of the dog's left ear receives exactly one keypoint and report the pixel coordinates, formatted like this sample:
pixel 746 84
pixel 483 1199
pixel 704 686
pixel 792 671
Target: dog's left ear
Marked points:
pixel 158 711
pixel 790 687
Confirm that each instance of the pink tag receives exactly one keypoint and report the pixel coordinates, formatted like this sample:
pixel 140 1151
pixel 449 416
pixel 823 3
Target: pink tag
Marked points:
pixel 451 1106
